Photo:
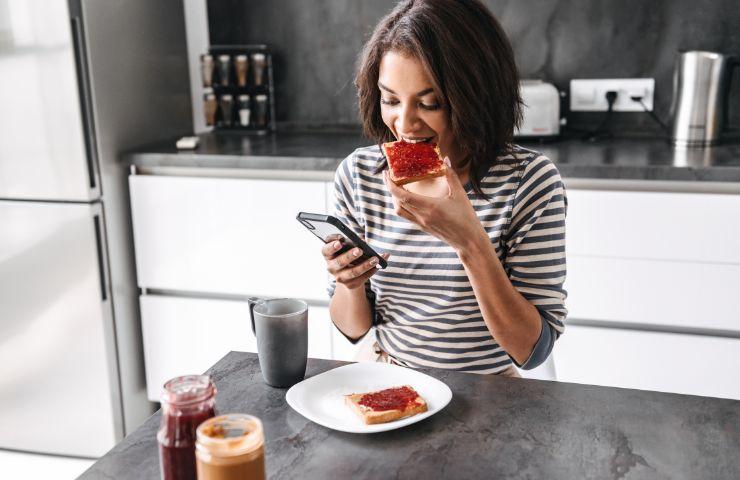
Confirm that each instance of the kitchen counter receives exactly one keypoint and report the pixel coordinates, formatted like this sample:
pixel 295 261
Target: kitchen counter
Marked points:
pixel 494 427
pixel 319 153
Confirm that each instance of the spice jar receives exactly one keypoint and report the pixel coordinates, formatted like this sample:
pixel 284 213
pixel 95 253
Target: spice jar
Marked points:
pixel 226 102
pixel 231 447
pixel 206 69
pixel 186 402
pixel 260 110
pixel 259 62
pixel 210 106
pixel 244 110
pixel 224 69
pixel 241 66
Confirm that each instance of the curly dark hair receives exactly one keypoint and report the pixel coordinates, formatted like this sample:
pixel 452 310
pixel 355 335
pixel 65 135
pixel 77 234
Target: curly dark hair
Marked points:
pixel 470 62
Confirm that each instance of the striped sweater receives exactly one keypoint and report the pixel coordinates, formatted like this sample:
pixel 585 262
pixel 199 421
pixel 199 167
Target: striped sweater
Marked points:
pixel 425 310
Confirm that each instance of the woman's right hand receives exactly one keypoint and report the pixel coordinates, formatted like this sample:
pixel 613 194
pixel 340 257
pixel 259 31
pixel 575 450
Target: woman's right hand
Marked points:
pixel 351 276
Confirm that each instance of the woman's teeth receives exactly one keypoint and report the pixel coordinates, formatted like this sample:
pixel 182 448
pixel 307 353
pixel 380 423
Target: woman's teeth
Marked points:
pixel 416 140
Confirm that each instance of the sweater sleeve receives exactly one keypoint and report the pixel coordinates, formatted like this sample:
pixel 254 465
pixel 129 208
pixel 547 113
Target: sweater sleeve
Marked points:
pixel 345 210
pixel 535 250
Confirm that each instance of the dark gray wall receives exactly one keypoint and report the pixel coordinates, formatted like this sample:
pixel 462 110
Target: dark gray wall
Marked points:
pixel 316 43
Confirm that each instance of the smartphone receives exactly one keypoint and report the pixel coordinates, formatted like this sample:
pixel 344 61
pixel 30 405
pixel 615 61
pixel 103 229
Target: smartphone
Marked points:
pixel 330 229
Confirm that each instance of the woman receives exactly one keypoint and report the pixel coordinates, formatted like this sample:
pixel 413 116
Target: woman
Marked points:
pixel 477 257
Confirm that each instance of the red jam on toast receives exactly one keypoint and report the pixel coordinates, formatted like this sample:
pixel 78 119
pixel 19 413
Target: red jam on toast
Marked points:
pixel 386 405
pixel 411 162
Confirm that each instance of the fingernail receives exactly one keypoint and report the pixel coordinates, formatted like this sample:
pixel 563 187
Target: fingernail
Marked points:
pixel 336 245
pixel 373 261
pixel 447 161
pixel 356 252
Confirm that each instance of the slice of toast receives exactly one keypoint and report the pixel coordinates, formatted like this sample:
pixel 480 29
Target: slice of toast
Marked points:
pixel 389 404
pixel 411 162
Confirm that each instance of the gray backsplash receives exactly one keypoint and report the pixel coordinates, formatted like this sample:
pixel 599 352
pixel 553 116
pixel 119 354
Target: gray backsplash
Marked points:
pixel 316 43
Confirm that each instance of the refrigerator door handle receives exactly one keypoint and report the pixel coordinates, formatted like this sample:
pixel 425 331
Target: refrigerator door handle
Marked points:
pixel 83 82
pixel 101 257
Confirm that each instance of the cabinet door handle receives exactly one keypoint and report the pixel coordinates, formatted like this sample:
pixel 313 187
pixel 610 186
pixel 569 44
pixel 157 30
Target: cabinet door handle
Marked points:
pixel 101 258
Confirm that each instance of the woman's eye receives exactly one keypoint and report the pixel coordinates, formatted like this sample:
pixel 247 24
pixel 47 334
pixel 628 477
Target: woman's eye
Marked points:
pixel 423 106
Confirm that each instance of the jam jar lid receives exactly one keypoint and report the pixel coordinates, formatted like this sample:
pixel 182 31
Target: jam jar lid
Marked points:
pixel 188 389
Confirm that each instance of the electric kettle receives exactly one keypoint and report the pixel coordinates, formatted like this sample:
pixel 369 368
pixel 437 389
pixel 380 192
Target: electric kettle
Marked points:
pixel 701 84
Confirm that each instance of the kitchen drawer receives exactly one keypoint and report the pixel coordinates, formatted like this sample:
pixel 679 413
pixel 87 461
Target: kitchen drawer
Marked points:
pixel 666 362
pixel 653 292
pixel 227 236
pixel 654 225
pixel 188 335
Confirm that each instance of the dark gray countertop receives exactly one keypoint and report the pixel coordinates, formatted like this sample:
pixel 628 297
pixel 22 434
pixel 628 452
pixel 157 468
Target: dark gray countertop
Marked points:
pixel 614 159
pixel 494 427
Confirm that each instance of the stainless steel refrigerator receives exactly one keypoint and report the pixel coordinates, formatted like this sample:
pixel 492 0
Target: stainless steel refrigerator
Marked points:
pixel 81 82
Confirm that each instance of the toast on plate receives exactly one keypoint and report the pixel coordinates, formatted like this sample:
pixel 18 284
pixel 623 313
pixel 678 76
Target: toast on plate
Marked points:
pixel 411 162
pixel 386 405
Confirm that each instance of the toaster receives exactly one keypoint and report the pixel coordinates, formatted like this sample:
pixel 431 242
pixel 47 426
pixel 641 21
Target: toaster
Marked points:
pixel 541 109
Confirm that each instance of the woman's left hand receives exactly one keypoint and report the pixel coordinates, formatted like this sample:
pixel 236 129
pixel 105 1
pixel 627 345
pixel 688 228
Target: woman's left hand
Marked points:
pixel 451 218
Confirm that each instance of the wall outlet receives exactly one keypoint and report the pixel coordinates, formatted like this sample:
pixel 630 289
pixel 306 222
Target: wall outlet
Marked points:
pixel 588 95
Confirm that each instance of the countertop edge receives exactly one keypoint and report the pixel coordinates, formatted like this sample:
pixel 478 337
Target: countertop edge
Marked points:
pixel 571 182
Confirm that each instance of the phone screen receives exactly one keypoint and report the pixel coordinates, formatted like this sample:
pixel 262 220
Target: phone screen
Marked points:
pixel 327 231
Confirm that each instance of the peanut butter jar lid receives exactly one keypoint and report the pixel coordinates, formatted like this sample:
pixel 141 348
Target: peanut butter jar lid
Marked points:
pixel 230 435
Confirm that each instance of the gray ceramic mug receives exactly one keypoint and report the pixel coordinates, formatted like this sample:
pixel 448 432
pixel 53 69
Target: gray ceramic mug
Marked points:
pixel 281 328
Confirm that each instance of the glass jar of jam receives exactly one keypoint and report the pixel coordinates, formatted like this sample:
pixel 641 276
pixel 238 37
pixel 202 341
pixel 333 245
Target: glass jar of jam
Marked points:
pixel 186 402
pixel 231 447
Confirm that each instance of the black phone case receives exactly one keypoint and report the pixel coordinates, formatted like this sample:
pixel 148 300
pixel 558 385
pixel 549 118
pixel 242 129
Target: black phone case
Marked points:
pixel 336 227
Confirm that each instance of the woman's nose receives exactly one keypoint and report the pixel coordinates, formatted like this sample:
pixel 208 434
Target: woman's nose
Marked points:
pixel 407 119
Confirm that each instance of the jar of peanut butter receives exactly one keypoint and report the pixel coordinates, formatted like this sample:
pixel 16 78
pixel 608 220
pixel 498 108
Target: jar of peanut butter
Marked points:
pixel 230 447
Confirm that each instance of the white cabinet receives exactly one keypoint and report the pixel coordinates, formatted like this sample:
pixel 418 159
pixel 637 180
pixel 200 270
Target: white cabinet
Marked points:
pixel 347 351
pixel 634 258
pixel 327 342
pixel 655 292
pixel 669 259
pixel 330 196
pixel 667 362
pixel 696 227
pixel 653 261
pixel 222 239
pixel 227 236
pixel 545 371
pixel 188 335
pixel 319 332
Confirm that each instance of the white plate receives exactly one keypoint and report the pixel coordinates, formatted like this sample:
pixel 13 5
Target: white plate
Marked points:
pixel 321 398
